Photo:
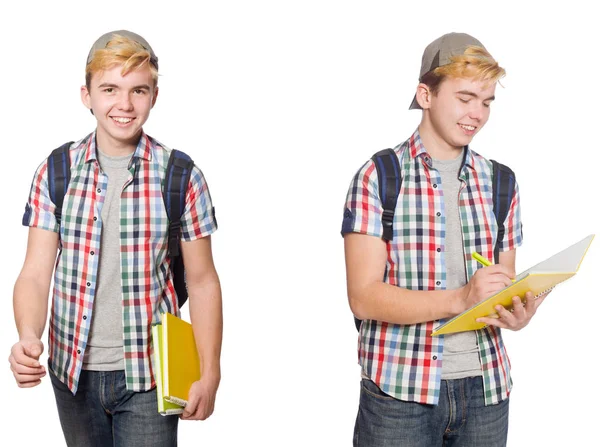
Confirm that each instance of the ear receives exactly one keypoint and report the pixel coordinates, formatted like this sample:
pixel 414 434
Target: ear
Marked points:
pixel 155 96
pixel 85 97
pixel 424 95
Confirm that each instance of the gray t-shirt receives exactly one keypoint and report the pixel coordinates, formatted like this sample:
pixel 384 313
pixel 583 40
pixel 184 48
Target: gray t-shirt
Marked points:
pixel 104 351
pixel 461 353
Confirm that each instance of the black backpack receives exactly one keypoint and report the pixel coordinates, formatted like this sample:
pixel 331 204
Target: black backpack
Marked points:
pixel 177 177
pixel 390 180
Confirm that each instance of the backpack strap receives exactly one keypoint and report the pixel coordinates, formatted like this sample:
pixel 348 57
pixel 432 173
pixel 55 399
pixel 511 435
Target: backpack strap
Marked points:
pixel 177 177
pixel 390 180
pixel 59 175
pixel 503 190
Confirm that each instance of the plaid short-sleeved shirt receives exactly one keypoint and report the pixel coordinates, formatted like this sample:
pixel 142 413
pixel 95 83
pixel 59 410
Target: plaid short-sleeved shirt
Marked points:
pixel 405 361
pixel 146 281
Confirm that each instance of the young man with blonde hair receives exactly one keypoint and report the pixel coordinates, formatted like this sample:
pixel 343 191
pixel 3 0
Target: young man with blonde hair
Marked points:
pixel 112 277
pixel 419 390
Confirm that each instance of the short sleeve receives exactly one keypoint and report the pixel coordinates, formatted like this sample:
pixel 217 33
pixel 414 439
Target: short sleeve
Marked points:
pixel 363 210
pixel 198 219
pixel 513 228
pixel 39 210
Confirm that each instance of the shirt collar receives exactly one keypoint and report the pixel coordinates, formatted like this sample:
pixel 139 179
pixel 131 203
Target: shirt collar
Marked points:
pixel 417 149
pixel 143 150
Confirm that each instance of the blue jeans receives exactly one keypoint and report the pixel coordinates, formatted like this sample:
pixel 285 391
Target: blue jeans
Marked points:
pixel 460 418
pixel 103 413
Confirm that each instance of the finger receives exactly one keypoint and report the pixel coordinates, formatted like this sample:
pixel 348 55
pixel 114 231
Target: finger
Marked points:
pixel 29 384
pixel 491 321
pixel 200 409
pixel 520 311
pixel 21 357
pixel 200 413
pixel 190 408
pixel 502 269
pixel 505 315
pixel 22 379
pixel 33 350
pixel 22 369
pixel 530 303
pixel 28 377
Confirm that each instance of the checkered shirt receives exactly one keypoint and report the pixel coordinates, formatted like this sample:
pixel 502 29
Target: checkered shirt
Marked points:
pixel 146 281
pixel 405 361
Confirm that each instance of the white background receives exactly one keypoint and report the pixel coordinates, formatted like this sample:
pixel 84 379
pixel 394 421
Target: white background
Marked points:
pixel 280 103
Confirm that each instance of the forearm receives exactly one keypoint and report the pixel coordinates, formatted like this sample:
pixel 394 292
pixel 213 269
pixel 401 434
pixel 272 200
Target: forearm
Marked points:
pixel 392 304
pixel 207 320
pixel 30 303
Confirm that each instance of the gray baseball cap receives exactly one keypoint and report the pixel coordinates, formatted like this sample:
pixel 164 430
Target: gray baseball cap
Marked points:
pixel 103 40
pixel 439 52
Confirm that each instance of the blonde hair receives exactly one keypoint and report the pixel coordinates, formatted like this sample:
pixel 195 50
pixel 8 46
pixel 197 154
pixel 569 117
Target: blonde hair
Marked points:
pixel 475 63
pixel 123 51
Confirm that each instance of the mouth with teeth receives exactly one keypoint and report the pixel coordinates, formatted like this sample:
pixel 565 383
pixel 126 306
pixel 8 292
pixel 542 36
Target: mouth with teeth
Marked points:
pixel 121 120
pixel 467 129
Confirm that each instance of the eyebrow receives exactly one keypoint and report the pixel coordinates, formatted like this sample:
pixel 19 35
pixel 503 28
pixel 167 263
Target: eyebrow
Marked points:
pixel 474 95
pixel 109 85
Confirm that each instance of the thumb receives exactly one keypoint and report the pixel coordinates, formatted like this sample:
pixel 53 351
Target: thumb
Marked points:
pixel 33 349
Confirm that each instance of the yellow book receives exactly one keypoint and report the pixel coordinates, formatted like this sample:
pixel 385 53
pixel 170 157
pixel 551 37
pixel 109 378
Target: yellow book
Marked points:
pixel 181 364
pixel 539 279
pixel 164 407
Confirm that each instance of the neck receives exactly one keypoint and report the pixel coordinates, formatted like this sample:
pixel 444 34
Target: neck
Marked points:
pixel 116 148
pixel 436 146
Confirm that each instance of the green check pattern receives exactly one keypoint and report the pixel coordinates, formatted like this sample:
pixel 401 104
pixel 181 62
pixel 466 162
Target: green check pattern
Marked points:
pixel 404 360
pixel 146 281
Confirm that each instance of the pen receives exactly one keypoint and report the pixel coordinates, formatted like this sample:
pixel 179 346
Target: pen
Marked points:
pixel 483 261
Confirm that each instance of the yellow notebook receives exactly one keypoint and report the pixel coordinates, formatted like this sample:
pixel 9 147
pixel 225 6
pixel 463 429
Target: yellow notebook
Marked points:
pixel 181 364
pixel 538 279
pixel 164 406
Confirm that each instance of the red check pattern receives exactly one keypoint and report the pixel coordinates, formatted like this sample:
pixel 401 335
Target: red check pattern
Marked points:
pixel 146 281
pixel 404 360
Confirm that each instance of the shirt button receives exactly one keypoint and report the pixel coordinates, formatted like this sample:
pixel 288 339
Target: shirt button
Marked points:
pixel 99 190
pixel 79 351
pixel 438 215
pixel 89 284
pixel 437 283
pixel 435 357
pixel 438 250
pixel 92 252
pixel 85 317
pixel 435 185
pixel 95 218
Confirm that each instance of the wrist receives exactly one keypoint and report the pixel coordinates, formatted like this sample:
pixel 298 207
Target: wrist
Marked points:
pixel 27 333
pixel 211 375
pixel 457 303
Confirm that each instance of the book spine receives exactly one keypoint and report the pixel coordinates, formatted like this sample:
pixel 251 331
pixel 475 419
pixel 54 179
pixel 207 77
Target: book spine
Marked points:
pixel 545 292
pixel 176 400
pixel 165 356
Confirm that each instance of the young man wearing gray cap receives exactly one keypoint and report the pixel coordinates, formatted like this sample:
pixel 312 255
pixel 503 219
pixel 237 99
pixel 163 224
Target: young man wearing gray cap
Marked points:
pixel 419 390
pixel 112 279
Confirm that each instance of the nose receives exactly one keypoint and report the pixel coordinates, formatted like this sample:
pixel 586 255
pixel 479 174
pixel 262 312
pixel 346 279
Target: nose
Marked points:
pixel 124 102
pixel 477 111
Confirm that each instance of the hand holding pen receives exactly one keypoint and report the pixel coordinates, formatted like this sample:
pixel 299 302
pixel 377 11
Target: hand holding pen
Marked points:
pixel 522 311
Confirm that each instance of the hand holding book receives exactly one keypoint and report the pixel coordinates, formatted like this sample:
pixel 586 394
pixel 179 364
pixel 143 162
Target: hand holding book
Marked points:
pixel 538 280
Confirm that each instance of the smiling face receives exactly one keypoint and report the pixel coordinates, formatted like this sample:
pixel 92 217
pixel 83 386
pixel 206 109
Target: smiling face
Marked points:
pixel 121 105
pixel 459 110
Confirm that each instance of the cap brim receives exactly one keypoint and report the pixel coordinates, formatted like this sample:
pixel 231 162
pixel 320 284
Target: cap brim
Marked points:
pixel 414 104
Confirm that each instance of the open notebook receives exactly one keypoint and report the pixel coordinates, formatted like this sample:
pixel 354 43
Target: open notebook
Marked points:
pixel 538 279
